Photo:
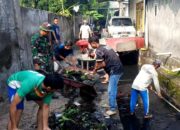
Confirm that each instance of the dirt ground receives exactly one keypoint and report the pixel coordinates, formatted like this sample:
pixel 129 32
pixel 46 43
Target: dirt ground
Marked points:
pixel 29 115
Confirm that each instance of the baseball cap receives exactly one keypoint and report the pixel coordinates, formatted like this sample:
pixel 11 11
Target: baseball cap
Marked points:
pixel 157 62
pixel 45 27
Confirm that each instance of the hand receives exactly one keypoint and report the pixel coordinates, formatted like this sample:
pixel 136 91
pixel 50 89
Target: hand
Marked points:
pixel 54 58
pixel 65 60
pixel 57 41
pixel 47 128
pixel 15 129
pixel 150 87
pixel 159 95
pixel 92 56
pixel 94 71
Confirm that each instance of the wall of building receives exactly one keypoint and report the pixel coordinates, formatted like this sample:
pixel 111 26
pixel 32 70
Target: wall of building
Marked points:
pixel 9 40
pixel 163 18
pixel 17 25
pixel 132 9
pixel 136 12
pixel 32 19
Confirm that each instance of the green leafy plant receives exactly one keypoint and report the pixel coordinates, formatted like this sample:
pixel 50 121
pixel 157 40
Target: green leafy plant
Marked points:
pixel 65 7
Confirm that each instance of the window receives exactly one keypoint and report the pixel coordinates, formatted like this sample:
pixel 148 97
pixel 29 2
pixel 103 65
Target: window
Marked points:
pixel 155 8
pixel 121 22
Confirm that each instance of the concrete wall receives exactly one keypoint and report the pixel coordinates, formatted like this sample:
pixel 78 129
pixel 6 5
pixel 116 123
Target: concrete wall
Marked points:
pixel 32 19
pixel 66 26
pixel 17 25
pixel 9 40
pixel 164 26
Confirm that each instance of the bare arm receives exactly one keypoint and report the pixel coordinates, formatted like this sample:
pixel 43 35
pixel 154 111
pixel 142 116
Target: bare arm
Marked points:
pixel 54 36
pixel 62 57
pixel 99 65
pixel 13 109
pixel 60 35
pixel 90 32
pixel 80 34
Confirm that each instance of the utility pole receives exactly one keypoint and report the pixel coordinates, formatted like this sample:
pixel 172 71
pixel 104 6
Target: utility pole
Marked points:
pixel 36 3
pixel 120 7
pixel 75 10
pixel 47 5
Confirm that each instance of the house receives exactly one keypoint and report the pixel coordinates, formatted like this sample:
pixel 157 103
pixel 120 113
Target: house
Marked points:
pixel 160 20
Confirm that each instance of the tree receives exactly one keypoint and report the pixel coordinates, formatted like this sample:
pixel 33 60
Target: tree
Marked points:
pixel 65 7
pixel 30 3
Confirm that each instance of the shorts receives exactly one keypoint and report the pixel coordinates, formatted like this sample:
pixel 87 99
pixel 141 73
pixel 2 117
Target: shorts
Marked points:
pixel 11 94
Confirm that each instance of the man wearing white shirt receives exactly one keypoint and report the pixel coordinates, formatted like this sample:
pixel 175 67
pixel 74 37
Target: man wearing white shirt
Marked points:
pixel 85 31
pixel 140 86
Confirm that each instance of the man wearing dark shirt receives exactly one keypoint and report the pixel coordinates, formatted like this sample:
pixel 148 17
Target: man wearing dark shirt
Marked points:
pixel 63 51
pixel 109 60
pixel 56 38
pixel 55 35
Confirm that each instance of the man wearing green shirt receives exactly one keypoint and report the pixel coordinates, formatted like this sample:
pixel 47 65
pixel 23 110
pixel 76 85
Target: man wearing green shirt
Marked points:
pixel 33 86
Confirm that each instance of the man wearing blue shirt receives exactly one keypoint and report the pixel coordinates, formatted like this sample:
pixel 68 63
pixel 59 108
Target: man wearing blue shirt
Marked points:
pixel 56 37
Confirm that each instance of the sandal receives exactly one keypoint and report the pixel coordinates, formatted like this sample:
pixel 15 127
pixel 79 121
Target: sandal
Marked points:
pixel 148 116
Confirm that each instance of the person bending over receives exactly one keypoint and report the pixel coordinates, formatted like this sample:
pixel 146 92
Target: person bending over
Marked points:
pixel 32 86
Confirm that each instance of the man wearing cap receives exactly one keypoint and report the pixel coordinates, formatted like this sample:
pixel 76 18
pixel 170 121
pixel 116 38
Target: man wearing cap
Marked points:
pixel 140 86
pixel 41 49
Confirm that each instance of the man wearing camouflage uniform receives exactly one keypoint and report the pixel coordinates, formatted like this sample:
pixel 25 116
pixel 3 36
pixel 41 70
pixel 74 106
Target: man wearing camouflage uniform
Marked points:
pixel 41 49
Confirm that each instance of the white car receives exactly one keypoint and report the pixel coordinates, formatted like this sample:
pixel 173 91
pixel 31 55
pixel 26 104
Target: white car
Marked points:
pixel 121 27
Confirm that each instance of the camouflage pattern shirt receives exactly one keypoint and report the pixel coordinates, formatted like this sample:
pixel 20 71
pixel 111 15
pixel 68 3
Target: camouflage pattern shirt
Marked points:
pixel 41 52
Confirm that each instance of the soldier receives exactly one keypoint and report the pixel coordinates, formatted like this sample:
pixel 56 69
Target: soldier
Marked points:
pixel 41 49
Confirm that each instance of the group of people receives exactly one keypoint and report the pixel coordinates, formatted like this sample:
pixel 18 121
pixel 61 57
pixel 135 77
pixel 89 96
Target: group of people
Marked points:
pixel 47 47
pixel 108 59
pixel 39 85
